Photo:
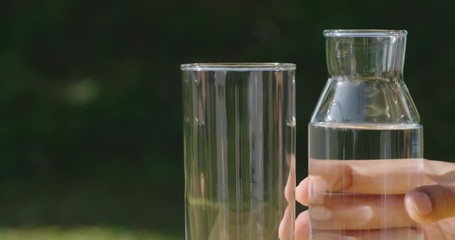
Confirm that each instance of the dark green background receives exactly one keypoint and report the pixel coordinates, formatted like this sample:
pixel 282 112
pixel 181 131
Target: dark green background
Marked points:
pixel 90 93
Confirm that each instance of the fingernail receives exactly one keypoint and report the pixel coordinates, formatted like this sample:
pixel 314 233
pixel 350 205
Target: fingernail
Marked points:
pixel 420 202
pixel 312 189
pixel 320 213
pixel 359 215
pixel 318 187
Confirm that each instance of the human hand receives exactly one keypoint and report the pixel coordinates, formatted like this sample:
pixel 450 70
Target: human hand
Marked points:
pixel 433 204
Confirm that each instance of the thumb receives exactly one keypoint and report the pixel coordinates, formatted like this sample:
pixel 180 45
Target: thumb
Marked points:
pixel 430 203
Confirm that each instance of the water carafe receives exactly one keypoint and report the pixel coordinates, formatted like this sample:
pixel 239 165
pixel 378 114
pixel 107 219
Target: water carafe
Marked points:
pixel 365 140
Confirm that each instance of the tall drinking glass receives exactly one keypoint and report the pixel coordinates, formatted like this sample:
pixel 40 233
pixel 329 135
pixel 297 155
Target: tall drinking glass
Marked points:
pixel 239 149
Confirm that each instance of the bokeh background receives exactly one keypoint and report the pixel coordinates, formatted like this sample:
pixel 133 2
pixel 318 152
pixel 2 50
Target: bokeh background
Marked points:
pixel 90 98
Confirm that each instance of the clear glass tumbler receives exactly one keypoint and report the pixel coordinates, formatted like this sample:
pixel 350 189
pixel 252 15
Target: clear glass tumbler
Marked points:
pixel 239 150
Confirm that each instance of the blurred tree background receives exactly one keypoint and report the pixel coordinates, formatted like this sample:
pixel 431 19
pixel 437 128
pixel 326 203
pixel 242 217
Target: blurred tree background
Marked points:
pixel 90 94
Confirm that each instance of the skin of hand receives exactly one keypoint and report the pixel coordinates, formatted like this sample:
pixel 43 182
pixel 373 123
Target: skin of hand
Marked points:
pixel 432 204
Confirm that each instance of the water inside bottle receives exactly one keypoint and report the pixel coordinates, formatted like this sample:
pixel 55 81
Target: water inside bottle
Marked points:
pixel 358 177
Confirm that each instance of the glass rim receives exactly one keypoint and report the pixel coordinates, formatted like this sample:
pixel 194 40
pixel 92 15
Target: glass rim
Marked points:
pixel 239 66
pixel 364 33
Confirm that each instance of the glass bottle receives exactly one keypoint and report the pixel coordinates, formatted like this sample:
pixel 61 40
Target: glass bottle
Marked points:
pixel 365 140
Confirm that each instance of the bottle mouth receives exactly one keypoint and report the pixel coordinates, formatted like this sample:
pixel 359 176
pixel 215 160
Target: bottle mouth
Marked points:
pixel 364 33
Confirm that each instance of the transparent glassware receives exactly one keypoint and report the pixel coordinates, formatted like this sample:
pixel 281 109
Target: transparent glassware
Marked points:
pixel 365 140
pixel 239 150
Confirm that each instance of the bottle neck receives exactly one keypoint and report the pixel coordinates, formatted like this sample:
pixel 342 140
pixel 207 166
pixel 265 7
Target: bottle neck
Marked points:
pixel 366 57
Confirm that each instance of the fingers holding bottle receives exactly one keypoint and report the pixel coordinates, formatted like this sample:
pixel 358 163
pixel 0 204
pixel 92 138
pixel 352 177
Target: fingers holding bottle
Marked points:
pixel 360 212
pixel 392 176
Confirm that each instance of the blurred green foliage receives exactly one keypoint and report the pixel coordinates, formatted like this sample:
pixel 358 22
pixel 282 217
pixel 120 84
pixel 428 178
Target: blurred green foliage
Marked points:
pixel 90 93
pixel 78 233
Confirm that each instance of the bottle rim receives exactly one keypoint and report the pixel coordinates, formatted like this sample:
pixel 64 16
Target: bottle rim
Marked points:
pixel 364 33
pixel 239 66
